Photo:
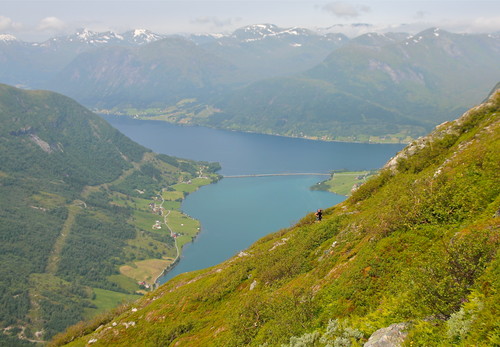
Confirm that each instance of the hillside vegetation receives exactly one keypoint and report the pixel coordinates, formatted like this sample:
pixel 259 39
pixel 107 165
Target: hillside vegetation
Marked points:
pixel 414 248
pixel 75 199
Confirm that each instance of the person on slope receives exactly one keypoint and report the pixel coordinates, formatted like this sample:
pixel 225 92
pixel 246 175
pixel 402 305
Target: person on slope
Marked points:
pixel 319 214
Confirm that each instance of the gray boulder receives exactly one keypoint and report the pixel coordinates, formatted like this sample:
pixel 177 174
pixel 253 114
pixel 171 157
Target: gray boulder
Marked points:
pixel 392 336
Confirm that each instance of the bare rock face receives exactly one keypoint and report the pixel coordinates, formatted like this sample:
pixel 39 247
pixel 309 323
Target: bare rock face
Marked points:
pixel 392 336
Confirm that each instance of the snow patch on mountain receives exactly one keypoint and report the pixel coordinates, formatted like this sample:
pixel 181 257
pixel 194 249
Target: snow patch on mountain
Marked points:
pixel 7 38
pixel 258 32
pixel 92 38
pixel 426 35
pixel 87 36
pixel 141 36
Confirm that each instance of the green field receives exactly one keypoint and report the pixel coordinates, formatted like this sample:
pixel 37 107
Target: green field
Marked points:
pixel 147 240
pixel 191 186
pixel 186 227
pixel 342 183
pixel 146 270
pixel 172 195
pixel 105 300
pixel 124 282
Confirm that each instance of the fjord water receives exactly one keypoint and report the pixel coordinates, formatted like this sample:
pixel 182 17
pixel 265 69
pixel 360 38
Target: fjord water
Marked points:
pixel 236 212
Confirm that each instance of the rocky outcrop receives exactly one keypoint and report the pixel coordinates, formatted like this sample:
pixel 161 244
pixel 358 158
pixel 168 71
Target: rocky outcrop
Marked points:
pixel 392 336
pixel 442 130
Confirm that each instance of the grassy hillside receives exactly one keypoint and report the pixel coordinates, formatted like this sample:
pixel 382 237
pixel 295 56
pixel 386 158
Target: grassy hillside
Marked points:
pixel 415 246
pixel 76 205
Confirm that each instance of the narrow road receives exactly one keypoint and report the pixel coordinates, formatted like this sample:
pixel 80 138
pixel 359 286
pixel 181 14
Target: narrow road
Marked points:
pixel 171 233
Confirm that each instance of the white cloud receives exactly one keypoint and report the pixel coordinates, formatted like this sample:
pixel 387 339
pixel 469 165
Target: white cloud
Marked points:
pixel 342 9
pixel 461 25
pixel 7 24
pixel 51 24
pixel 485 25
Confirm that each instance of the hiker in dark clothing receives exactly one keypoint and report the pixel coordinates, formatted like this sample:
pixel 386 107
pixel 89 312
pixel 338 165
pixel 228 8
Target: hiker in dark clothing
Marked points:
pixel 319 215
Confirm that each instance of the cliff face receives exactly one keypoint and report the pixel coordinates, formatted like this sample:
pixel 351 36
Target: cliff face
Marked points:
pixel 414 246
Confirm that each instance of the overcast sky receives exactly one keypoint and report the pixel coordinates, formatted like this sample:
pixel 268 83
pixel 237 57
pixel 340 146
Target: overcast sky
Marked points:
pixel 37 20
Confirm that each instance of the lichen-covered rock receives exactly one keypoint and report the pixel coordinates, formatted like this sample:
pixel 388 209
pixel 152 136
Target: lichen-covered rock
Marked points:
pixel 392 336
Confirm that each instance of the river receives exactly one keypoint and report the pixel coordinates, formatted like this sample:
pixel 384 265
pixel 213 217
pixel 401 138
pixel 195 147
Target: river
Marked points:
pixel 236 212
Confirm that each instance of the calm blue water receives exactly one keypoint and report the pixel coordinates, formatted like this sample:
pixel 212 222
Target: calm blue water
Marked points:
pixel 236 212
pixel 247 153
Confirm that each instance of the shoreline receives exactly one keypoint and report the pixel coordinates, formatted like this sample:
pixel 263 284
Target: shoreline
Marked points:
pixel 308 138
pixel 173 223
pixel 178 247
pixel 177 258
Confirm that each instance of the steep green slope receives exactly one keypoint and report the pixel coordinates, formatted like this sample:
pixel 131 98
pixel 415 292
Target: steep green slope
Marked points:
pixel 74 207
pixel 417 245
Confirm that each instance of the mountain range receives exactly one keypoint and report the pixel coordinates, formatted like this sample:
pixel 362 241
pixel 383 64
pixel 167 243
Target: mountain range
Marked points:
pixel 411 258
pixel 263 78
pixel 257 47
pixel 373 86
pixel 30 65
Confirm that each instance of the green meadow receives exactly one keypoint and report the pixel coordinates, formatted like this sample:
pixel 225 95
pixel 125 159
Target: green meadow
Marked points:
pixel 343 183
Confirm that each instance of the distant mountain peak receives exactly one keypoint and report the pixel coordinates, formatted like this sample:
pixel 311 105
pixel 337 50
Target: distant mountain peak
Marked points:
pixel 379 39
pixel 428 35
pixel 257 32
pixel 140 32
pixel 7 38
pixel 84 34
pixel 436 32
pixel 88 36
pixel 269 27
pixel 141 36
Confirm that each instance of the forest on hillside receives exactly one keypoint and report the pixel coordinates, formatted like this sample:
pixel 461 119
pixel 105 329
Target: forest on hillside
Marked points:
pixel 72 187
